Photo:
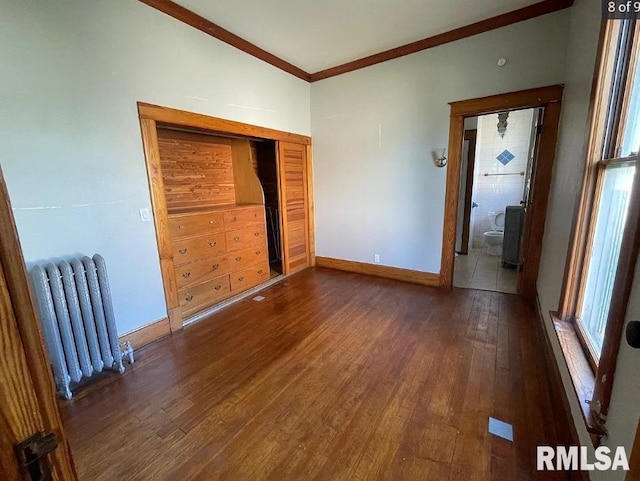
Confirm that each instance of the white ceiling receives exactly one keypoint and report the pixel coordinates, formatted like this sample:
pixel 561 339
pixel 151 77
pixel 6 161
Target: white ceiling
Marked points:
pixel 318 34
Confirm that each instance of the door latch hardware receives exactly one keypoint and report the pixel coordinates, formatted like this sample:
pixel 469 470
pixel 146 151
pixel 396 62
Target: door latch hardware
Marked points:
pixel 32 456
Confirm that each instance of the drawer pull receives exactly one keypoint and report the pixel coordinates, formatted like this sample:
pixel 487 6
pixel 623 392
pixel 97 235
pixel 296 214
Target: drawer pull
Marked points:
pixel 235 218
pixel 257 253
pixel 189 298
pixel 260 271
pixel 215 266
pixel 183 250
pixel 236 238
pixel 241 278
pixel 186 275
pixel 239 258
pixel 212 244
pixel 218 287
pixel 210 222
pixel 256 234
pixel 180 226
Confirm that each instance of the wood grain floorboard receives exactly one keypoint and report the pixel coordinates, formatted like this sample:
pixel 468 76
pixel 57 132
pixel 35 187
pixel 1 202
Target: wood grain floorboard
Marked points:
pixel 333 376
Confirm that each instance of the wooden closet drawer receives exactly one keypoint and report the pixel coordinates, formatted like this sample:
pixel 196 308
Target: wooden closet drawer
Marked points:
pixel 239 218
pixel 188 225
pixel 203 270
pixel 196 298
pixel 187 250
pixel 251 236
pixel 248 278
pixel 244 258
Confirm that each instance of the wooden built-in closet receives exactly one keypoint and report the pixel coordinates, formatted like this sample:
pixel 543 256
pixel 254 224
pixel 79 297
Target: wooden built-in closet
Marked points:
pixel 232 206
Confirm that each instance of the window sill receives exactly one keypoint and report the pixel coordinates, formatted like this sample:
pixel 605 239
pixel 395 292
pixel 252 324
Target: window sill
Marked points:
pixel 582 376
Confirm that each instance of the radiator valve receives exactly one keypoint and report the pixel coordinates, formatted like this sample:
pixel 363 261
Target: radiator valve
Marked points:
pixel 126 350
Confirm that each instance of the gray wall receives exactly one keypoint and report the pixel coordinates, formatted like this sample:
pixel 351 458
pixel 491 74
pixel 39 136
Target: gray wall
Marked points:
pixel 584 30
pixel 581 55
pixel 376 187
pixel 72 72
pixel 624 410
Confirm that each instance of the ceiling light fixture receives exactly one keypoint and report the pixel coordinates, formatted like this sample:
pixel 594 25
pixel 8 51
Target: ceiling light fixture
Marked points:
pixel 502 123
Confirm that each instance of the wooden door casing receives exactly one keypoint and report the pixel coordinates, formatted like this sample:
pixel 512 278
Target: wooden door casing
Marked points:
pixel 548 97
pixel 27 393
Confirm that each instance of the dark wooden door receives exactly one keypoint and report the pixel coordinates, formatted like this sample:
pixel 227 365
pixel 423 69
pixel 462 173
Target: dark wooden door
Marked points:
pixel 537 198
pixel 470 136
pixel 27 394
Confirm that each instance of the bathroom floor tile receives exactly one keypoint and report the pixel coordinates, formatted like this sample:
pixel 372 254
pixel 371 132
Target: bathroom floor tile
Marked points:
pixel 478 270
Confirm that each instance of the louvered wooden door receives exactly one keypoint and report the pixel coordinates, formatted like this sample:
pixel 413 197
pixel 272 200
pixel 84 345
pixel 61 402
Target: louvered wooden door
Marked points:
pixel 295 206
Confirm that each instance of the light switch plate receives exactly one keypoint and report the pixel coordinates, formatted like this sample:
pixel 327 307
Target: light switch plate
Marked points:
pixel 145 215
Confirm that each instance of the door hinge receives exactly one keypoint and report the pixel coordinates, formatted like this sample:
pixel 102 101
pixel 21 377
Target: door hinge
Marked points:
pixel 32 454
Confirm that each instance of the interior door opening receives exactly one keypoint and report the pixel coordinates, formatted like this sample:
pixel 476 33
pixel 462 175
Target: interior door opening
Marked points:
pixel 497 164
pixel 266 166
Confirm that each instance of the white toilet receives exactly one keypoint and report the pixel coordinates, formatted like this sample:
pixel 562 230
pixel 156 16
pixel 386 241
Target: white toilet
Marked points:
pixel 495 236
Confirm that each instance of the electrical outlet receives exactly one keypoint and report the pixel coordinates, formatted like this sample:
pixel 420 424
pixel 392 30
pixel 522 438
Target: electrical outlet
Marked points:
pixel 376 258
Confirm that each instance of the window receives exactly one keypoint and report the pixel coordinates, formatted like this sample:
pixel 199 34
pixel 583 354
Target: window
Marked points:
pixel 597 290
pixel 601 247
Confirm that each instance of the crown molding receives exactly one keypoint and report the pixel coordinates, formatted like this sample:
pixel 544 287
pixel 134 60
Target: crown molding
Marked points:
pixel 200 23
pixel 526 13
pixel 196 21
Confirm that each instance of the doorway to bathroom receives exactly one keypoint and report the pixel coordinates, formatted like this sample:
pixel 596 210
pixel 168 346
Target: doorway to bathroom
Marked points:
pixel 548 101
pixel 497 163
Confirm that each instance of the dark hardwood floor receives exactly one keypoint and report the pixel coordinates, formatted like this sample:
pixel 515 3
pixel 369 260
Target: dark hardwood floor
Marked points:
pixel 334 376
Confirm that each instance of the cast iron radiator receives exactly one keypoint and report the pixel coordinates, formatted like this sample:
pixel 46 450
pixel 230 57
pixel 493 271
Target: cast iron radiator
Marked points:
pixel 74 302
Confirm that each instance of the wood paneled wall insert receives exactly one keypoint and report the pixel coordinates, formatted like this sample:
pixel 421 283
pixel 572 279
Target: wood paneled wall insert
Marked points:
pixel 196 169
pixel 203 177
pixel 209 209
pixel 196 21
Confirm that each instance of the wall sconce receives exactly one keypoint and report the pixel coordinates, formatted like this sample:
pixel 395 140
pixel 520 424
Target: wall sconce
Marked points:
pixel 440 157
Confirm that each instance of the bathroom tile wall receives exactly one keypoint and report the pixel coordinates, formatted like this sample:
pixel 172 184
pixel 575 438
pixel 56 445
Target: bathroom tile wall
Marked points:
pixel 494 192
